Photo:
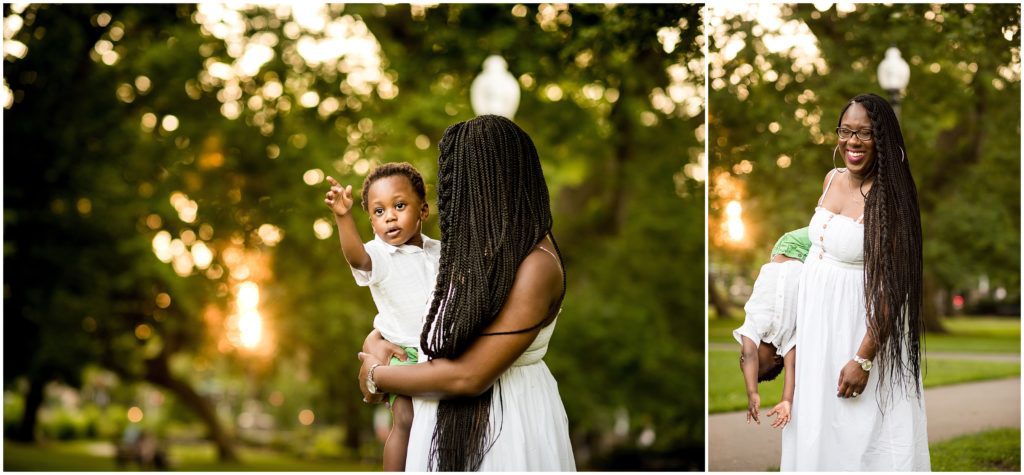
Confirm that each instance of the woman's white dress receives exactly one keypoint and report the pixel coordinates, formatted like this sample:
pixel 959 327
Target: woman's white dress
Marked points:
pixel 828 432
pixel 531 430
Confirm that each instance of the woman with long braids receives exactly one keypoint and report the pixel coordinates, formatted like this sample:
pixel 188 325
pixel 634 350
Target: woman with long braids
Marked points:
pixel 485 400
pixel 859 404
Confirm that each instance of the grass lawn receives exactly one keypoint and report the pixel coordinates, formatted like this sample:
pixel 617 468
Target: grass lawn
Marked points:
pixel 94 456
pixel 726 391
pixel 966 334
pixel 720 330
pixel 977 335
pixel 993 451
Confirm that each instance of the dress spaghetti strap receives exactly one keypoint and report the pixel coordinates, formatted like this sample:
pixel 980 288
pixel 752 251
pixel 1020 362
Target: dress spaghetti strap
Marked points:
pixel 553 256
pixel 832 176
pixel 547 319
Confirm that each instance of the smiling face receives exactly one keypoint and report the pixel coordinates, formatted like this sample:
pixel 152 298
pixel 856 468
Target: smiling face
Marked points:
pixel 396 211
pixel 857 154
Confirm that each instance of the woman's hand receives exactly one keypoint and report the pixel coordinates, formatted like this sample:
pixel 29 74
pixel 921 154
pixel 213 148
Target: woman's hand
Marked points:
pixel 368 361
pixel 852 380
pixel 383 350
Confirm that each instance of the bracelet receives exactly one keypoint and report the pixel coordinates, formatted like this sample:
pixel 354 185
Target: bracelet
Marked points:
pixel 864 363
pixel 370 384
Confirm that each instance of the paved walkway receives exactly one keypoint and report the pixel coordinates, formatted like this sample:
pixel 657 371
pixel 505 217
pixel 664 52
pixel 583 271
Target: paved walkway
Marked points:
pixel 952 411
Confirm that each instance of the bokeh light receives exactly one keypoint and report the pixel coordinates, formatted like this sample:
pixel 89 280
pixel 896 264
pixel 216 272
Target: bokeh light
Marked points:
pixel 322 229
pixel 306 417
pixel 135 415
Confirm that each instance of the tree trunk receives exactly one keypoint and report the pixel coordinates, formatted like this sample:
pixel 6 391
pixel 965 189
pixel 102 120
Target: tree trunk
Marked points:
pixel 615 174
pixel 721 304
pixel 158 372
pixel 354 423
pixel 930 307
pixel 26 431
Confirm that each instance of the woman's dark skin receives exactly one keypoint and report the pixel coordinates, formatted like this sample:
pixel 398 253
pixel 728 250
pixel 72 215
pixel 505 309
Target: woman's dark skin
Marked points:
pixel 535 291
pixel 846 198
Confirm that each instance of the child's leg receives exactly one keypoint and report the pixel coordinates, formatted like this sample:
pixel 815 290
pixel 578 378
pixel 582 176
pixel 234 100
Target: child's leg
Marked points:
pixel 398 441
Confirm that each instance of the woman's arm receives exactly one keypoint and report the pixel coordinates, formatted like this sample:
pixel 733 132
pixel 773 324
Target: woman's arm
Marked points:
pixel 537 284
pixel 853 378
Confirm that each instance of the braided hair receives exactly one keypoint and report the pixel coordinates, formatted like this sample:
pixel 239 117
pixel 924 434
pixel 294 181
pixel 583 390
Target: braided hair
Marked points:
pixel 494 208
pixel 893 265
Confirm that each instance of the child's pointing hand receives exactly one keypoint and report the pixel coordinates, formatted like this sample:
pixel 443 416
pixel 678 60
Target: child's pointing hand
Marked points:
pixel 338 199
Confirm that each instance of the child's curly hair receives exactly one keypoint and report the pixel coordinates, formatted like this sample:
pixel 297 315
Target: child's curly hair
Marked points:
pixel 772 372
pixel 394 169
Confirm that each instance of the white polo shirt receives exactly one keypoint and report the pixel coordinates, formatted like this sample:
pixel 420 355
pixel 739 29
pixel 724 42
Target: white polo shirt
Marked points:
pixel 771 310
pixel 402 283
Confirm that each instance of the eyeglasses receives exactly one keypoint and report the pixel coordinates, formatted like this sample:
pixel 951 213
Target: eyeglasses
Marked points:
pixel 863 134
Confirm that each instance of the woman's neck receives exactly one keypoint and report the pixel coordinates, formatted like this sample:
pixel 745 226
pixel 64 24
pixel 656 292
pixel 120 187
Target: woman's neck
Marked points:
pixel 858 180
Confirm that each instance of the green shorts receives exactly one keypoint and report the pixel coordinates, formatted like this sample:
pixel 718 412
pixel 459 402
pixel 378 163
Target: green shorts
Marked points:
pixel 413 358
pixel 795 244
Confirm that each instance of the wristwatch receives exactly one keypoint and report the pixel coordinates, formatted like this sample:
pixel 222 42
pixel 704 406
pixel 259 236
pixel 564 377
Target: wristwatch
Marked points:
pixel 865 364
pixel 370 385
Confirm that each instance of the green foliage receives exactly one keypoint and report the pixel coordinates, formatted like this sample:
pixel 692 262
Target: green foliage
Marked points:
pixel 14 405
pixel 64 424
pixel 327 444
pixel 991 451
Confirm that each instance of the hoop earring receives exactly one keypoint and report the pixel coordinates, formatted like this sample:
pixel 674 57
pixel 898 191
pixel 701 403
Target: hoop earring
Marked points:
pixel 903 155
pixel 838 170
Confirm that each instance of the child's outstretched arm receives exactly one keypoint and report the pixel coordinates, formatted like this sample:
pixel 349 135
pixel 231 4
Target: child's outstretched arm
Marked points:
pixel 783 408
pixel 340 201
pixel 749 366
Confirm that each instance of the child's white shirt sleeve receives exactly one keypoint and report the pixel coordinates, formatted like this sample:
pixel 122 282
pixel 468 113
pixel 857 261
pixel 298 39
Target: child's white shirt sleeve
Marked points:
pixel 787 297
pixel 379 269
pixel 749 330
pixel 760 308
pixel 771 309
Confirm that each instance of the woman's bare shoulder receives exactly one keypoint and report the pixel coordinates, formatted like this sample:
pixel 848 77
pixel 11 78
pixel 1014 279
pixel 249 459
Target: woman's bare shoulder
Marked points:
pixel 535 289
pixel 540 273
pixel 828 176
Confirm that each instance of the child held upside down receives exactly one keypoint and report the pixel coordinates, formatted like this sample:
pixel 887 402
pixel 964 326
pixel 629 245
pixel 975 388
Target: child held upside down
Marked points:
pixel 768 334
